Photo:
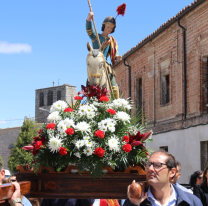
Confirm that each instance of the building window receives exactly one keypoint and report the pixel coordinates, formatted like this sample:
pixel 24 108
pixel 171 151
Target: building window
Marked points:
pixel 59 95
pixel 165 89
pixel 139 94
pixel 50 98
pixel 41 99
pixel 204 155
pixel 165 148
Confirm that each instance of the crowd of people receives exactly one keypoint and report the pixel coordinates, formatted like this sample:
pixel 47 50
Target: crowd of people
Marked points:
pixel 162 173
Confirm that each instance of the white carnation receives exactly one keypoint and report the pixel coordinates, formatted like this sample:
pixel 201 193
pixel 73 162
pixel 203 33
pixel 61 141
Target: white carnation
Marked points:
pixel 113 144
pixel 107 124
pixel 54 117
pixel 54 144
pixel 120 103
pixel 61 127
pixel 83 127
pixel 58 106
pixel 123 116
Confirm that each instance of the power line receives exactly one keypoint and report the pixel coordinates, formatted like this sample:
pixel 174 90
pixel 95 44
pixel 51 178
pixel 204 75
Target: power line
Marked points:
pixel 10 120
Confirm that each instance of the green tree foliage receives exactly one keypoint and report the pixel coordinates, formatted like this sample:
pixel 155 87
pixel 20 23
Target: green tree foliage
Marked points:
pixel 2 162
pixel 19 156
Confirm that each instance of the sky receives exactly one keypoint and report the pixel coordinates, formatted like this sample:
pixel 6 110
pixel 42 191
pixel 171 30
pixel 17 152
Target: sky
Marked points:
pixel 45 41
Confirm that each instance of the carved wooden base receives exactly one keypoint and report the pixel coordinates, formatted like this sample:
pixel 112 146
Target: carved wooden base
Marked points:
pixel 66 185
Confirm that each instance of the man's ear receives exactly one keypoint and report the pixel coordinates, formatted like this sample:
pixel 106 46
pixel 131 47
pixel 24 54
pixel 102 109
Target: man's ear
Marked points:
pixel 172 173
pixel 3 174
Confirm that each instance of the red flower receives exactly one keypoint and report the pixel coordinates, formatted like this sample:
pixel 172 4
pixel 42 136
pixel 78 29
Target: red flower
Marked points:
pixel 40 131
pixel 111 111
pixel 68 110
pixel 43 139
pixel 51 126
pixel 78 98
pixel 99 152
pixel 137 143
pixel 100 134
pixel 104 98
pixel 36 138
pixel 127 148
pixel 34 152
pixel 69 131
pixel 38 145
pixel 126 139
pixel 63 151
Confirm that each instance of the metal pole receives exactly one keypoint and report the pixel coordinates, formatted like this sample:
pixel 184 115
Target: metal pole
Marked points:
pixel 98 39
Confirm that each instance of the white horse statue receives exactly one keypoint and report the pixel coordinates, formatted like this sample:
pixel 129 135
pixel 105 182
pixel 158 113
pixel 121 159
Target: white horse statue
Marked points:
pixel 95 67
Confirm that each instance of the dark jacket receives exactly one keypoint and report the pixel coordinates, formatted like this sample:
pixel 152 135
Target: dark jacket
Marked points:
pixel 183 199
pixel 202 193
pixel 67 202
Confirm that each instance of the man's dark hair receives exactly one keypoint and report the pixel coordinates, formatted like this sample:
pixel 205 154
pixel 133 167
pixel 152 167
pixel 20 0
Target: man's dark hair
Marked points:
pixel 193 177
pixel 170 161
pixel 12 176
pixel 0 166
pixel 178 164
pixel 103 27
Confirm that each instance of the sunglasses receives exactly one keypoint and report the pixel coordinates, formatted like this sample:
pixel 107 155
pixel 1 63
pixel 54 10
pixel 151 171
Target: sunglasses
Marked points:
pixel 13 180
pixel 199 177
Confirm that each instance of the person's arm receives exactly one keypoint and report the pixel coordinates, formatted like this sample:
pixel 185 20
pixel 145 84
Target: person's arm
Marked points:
pixel 16 195
pixel 197 191
pixel 91 33
pixel 87 202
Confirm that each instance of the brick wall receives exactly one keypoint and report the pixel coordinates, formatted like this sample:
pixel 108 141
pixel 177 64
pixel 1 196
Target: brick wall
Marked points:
pixel 163 55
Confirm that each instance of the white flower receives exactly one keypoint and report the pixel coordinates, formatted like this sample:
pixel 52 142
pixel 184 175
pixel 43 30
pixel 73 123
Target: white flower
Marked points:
pixel 120 103
pixel 80 143
pixel 54 144
pixel 123 116
pixel 54 117
pixel 113 144
pixel 111 128
pixel 58 106
pixel 86 138
pixel 107 124
pixel 77 154
pixel 88 151
pixel 83 127
pixel 69 123
pixel 61 127
pixel 90 115
pixel 88 144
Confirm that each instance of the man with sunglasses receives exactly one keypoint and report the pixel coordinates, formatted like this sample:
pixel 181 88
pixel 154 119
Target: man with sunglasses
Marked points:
pixel 160 170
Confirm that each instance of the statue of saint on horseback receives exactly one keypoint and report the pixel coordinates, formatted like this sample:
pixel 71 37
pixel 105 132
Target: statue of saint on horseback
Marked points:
pixel 98 68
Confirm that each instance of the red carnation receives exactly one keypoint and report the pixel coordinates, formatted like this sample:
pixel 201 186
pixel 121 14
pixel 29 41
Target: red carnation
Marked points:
pixel 126 139
pixel 78 98
pixel 63 151
pixel 51 126
pixel 38 145
pixel 99 152
pixel 100 134
pixel 127 148
pixel 111 111
pixel 69 131
pixel 104 98
pixel 68 110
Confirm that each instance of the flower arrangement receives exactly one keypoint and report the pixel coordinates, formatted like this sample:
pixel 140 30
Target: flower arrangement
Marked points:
pixel 93 135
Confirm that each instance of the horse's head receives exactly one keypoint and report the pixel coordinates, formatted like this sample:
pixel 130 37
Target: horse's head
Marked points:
pixel 95 65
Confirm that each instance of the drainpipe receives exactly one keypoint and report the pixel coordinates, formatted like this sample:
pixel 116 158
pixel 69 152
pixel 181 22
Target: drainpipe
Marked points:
pixel 184 66
pixel 127 65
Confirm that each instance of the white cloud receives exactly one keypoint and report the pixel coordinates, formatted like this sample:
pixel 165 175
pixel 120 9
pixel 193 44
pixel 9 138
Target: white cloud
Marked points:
pixel 4 122
pixel 7 48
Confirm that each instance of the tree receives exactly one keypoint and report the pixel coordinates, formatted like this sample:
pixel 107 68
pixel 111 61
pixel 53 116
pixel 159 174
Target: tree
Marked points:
pixel 19 156
pixel 2 162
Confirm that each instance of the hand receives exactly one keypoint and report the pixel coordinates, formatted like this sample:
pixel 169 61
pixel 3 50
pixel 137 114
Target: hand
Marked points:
pixel 119 58
pixel 16 193
pixel 90 16
pixel 136 201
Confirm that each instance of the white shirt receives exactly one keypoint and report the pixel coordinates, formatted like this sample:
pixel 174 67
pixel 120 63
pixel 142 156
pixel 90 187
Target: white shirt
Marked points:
pixel 170 202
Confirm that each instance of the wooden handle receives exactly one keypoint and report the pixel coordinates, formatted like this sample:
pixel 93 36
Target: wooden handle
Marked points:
pixel 7 190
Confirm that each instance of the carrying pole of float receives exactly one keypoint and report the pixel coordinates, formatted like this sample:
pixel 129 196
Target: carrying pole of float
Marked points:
pixel 98 39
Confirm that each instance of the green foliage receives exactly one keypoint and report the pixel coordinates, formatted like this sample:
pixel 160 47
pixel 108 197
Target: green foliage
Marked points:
pixel 19 156
pixel 2 162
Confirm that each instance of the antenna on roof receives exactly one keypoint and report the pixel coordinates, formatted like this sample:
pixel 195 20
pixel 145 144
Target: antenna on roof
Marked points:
pixel 58 82
pixel 53 83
